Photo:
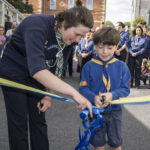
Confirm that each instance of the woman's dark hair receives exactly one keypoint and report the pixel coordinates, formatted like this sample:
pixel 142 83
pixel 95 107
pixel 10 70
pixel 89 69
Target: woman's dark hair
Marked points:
pixel 74 17
pixel 134 31
pixel 78 3
pixel 106 35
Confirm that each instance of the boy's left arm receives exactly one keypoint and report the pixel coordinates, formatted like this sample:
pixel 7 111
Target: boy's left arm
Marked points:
pixel 124 89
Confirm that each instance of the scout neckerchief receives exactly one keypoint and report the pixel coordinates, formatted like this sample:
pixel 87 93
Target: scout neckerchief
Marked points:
pixel 59 56
pixel 105 86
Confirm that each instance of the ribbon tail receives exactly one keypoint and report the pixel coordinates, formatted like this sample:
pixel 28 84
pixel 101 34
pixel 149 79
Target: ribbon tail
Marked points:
pixel 12 84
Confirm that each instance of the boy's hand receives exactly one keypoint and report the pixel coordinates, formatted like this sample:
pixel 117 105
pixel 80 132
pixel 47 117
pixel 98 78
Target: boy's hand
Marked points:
pixel 97 101
pixel 107 99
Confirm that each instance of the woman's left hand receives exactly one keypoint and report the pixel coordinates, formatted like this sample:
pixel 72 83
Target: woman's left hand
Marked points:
pixel 46 103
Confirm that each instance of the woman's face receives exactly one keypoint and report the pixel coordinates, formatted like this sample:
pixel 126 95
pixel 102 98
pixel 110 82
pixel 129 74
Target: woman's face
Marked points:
pixel 73 34
pixel 138 31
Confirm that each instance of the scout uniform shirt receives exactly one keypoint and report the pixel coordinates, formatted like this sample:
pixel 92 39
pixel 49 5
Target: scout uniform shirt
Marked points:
pixel 32 43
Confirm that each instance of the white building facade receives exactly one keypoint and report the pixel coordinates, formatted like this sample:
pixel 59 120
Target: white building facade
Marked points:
pixel 141 8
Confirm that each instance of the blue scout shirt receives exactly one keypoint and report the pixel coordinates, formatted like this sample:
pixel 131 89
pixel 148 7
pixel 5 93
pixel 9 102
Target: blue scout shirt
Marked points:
pixel 148 43
pixel 124 39
pixel 81 47
pixel 32 43
pixel 92 79
pixel 137 45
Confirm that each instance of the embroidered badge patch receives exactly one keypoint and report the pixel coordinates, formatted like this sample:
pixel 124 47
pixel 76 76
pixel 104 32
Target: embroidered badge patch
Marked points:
pixel 83 83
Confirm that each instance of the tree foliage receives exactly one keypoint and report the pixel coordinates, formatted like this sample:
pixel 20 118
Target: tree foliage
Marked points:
pixel 127 23
pixel 108 24
pixel 22 7
pixel 137 20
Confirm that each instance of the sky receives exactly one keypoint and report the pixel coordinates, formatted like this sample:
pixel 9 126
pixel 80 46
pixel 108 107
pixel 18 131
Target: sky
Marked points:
pixel 118 10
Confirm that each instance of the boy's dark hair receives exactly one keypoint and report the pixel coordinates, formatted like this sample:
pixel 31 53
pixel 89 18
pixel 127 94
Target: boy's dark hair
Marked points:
pixel 121 24
pixel 134 31
pixel 74 17
pixel 106 35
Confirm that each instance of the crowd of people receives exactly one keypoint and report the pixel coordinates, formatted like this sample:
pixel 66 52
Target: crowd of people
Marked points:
pixel 40 51
pixel 6 32
pixel 133 47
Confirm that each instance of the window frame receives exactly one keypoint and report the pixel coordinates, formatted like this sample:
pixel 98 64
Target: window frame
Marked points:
pixel 70 5
pixel 89 4
pixel 52 5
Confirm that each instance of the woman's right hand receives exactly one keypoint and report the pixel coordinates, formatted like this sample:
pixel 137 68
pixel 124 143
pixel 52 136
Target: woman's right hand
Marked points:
pixel 83 103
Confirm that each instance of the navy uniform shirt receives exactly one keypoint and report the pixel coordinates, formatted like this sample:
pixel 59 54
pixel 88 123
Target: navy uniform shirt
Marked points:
pixel 33 42
pixel 137 45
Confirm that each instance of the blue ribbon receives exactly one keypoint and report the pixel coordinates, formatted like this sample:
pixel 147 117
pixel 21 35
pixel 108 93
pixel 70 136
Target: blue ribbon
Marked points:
pixel 86 137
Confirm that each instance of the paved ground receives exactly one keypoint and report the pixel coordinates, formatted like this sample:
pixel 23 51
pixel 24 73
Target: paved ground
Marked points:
pixel 63 123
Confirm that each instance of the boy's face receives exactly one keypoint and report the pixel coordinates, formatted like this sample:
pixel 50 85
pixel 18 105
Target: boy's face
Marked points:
pixel 105 52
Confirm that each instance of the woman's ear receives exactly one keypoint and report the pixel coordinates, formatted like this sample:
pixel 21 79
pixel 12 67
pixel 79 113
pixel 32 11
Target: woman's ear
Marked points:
pixel 63 24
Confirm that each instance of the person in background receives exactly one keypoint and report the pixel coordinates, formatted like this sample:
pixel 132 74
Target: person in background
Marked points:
pixel 138 45
pixel 85 49
pixel 108 77
pixel 121 52
pixel 146 54
pixel 2 36
pixel 127 28
pixel 39 38
pixel 144 71
pixel 68 54
pixel 13 27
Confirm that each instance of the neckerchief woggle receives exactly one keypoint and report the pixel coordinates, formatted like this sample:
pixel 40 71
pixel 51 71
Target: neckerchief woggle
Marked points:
pixel 84 144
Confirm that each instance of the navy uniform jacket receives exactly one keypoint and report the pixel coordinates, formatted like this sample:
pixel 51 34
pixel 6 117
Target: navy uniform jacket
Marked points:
pixel 32 43
pixel 124 39
pixel 137 46
pixel 92 76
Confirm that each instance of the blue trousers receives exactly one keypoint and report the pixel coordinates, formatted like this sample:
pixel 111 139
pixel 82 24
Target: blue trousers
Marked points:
pixel 23 117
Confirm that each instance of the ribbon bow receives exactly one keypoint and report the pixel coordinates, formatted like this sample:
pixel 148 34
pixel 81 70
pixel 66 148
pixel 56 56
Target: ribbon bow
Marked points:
pixel 86 137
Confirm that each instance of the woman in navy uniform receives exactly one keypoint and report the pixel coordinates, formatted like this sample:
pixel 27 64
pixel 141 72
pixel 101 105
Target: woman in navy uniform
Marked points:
pixel 137 47
pixel 37 39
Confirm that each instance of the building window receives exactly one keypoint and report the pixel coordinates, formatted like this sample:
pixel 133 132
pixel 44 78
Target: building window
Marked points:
pixel 70 3
pixel 89 4
pixel 53 4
